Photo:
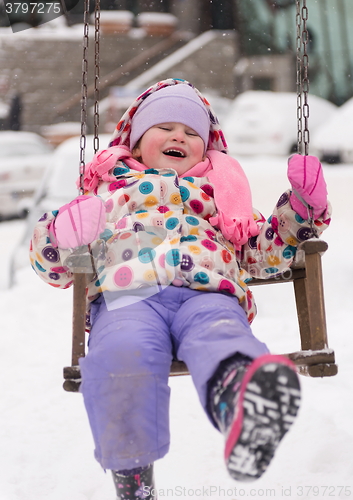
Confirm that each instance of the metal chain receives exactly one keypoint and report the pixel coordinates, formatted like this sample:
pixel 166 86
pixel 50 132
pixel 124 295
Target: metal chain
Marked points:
pixel 84 94
pixel 303 136
pixel 305 91
pixel 302 67
pixel 305 75
pixel 96 74
pixel 299 76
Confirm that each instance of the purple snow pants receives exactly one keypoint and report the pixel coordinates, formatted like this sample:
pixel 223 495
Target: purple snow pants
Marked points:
pixel 125 373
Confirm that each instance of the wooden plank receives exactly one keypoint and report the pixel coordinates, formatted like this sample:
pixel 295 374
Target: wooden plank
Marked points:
pixel 286 277
pixel 178 368
pixel 314 364
pixel 72 385
pixel 308 357
pixel 313 245
pixel 316 302
pixel 320 370
pixel 299 358
pixel 302 312
pixel 78 318
pixel 72 372
pixel 314 360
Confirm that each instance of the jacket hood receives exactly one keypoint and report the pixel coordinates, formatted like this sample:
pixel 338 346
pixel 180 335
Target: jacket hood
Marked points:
pixel 121 136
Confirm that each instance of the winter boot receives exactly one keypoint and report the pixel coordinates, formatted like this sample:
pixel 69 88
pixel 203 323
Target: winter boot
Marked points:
pixel 135 483
pixel 253 405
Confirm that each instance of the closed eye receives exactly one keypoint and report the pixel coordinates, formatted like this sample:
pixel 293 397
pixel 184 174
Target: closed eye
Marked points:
pixel 192 132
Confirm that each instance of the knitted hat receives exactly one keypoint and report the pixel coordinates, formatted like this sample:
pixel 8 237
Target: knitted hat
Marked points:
pixel 121 135
pixel 177 103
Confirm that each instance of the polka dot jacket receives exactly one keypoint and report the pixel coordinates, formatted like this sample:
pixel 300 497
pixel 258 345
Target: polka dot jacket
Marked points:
pixel 158 233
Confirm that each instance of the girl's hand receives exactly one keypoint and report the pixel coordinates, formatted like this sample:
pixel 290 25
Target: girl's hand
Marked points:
pixel 309 187
pixel 78 223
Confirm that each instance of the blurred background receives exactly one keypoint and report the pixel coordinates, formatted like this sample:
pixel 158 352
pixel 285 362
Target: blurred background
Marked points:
pixel 224 47
pixel 241 54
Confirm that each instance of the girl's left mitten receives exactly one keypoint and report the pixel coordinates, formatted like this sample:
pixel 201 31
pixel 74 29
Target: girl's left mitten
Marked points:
pixel 309 187
pixel 78 223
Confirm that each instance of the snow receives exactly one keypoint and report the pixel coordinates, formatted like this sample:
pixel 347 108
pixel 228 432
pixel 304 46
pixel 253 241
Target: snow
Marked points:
pixel 156 18
pixel 4 109
pixel 46 445
pixel 335 135
pixel 265 122
pixel 124 16
pixel 62 128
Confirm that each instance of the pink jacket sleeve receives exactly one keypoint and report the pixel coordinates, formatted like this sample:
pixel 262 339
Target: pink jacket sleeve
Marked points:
pixel 273 250
pixel 46 259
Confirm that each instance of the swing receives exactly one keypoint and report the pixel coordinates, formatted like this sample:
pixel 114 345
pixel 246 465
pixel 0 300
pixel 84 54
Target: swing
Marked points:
pixel 314 359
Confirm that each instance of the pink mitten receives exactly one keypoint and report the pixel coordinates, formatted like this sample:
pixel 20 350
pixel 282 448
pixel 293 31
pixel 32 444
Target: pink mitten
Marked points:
pixel 309 187
pixel 79 222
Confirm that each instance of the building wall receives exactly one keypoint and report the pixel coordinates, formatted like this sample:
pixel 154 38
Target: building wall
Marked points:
pixel 47 73
pixel 264 31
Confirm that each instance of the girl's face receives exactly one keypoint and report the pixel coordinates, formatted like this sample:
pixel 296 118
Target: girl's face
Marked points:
pixel 170 145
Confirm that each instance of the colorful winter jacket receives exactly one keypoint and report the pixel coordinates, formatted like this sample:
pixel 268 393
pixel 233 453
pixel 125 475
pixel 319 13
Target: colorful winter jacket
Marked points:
pixel 158 233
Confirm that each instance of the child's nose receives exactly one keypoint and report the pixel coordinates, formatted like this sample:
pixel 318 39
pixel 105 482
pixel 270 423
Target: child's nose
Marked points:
pixel 179 135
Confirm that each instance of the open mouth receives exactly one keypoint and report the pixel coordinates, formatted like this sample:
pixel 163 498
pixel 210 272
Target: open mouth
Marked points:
pixel 175 153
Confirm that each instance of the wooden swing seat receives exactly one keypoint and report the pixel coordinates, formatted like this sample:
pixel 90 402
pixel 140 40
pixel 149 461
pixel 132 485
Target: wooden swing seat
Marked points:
pixel 315 359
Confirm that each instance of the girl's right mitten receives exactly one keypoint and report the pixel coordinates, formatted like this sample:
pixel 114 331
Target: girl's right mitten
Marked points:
pixel 309 187
pixel 78 223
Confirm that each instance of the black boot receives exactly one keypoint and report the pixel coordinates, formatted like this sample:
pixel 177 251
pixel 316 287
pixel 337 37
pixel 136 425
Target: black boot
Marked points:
pixel 222 389
pixel 135 483
pixel 254 406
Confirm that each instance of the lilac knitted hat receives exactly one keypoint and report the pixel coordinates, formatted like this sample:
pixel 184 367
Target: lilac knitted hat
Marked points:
pixel 177 103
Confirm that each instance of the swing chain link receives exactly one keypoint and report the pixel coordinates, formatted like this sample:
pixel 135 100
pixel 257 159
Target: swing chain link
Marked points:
pixel 84 93
pixel 305 92
pixel 96 73
pixel 302 68
pixel 299 76
pixel 305 75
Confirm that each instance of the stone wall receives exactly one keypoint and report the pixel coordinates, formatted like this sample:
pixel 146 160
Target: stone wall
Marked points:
pixel 211 68
pixel 46 72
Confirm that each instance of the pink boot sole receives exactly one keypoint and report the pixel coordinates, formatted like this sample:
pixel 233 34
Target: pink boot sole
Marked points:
pixel 268 403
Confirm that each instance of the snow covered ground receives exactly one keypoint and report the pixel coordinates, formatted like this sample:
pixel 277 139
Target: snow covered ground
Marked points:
pixel 45 442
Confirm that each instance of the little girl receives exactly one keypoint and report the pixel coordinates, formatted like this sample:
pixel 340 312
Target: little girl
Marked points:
pixel 170 224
